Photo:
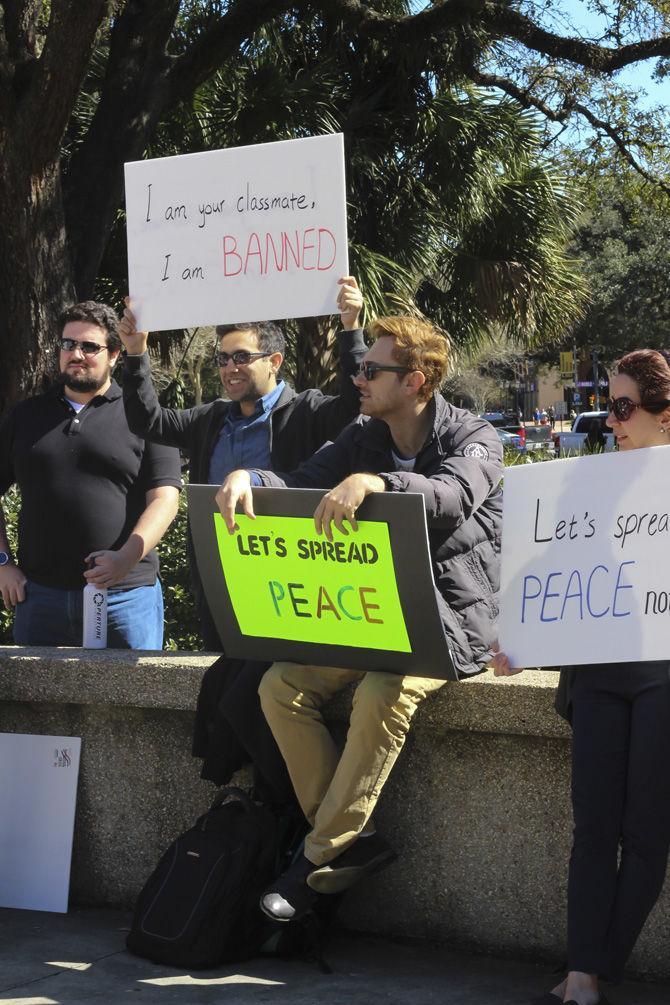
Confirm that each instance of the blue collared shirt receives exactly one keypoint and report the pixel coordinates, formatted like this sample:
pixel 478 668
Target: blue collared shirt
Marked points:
pixel 244 441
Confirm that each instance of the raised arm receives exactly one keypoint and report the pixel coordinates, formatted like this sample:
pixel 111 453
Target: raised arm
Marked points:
pixel 146 417
pixel 331 413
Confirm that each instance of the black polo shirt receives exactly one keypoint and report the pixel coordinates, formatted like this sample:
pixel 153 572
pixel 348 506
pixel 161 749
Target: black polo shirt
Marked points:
pixel 83 478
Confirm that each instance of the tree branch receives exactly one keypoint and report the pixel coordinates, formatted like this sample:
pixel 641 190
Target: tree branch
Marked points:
pixel 46 105
pixel 529 100
pixel 507 22
pixel 221 40
pixel 141 83
pixel 501 20
pixel 21 19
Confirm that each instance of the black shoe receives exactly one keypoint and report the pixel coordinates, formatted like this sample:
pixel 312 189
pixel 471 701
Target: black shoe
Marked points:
pixel 367 855
pixel 289 897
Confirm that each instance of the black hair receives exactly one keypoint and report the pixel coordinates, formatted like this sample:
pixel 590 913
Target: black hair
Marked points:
pixel 269 335
pixel 97 314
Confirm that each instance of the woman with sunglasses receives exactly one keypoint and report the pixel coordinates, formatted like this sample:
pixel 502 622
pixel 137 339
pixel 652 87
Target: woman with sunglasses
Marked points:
pixel 620 717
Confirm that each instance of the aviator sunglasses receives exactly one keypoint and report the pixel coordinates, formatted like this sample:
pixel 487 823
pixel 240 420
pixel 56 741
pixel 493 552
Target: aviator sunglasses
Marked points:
pixel 240 357
pixel 88 348
pixel 622 408
pixel 368 370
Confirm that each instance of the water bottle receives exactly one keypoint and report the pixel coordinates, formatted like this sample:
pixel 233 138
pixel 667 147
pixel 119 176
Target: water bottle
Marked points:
pixel 95 617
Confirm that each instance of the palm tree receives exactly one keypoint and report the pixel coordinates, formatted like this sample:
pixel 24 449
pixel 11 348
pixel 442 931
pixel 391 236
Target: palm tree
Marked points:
pixel 454 211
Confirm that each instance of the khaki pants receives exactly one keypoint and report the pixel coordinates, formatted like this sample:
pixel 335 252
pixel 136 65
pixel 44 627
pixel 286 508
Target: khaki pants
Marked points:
pixel 337 793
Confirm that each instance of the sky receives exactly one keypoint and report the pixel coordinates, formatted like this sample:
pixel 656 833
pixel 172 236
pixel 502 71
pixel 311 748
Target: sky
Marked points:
pixel 638 76
pixel 577 19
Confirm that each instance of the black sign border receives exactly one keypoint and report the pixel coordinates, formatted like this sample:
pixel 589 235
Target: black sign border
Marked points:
pixel 405 515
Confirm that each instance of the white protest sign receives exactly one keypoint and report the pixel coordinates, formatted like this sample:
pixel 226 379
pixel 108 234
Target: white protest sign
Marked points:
pixel 38 793
pixel 246 234
pixel 586 560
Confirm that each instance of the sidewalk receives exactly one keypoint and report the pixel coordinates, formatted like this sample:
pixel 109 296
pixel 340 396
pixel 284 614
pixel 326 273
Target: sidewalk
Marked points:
pixel 79 959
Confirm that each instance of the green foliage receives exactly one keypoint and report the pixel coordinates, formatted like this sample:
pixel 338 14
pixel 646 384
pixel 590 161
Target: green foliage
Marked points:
pixel 454 208
pixel 11 503
pixel 624 247
pixel 181 621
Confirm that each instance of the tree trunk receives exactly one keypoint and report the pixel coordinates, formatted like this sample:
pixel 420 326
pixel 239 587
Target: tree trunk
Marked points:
pixel 35 273
pixel 314 363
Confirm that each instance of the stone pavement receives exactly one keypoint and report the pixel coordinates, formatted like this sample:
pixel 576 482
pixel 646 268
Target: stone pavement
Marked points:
pixel 79 959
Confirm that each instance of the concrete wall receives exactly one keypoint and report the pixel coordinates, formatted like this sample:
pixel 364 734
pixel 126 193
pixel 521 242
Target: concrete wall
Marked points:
pixel 478 805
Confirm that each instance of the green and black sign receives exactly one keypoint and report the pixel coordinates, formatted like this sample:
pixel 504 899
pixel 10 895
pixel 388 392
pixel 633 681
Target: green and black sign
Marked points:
pixel 278 590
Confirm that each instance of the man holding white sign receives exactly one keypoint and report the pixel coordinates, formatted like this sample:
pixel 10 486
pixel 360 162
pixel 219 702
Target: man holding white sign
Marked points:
pixel 264 422
pixel 407 439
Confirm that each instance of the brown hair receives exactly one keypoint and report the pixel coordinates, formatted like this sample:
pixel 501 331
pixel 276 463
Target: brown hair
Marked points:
pixel 269 336
pixel 650 370
pixel 418 346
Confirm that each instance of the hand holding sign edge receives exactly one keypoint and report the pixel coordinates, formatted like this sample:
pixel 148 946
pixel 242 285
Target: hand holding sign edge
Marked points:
pixel 134 341
pixel 236 489
pixel 341 503
pixel 349 302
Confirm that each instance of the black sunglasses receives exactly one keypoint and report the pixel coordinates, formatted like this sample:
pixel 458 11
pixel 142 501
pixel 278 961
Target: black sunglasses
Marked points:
pixel 622 408
pixel 240 357
pixel 368 370
pixel 88 348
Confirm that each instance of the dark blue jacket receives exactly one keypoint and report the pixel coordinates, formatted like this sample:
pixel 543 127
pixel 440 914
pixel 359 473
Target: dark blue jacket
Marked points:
pixel 458 471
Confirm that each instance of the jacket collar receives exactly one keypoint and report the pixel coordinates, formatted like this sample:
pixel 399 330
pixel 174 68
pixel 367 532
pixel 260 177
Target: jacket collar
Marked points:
pixel 113 392
pixel 378 434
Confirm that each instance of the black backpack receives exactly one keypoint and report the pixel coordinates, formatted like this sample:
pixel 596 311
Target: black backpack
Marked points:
pixel 200 906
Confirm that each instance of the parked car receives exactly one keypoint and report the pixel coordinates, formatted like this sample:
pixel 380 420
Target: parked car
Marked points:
pixel 509 422
pixel 573 442
pixel 511 441
pixel 539 438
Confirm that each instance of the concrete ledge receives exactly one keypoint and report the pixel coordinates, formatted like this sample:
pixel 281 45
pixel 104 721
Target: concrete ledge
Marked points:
pixel 478 805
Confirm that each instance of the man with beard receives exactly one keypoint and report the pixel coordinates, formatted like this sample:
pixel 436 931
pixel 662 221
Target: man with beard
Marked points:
pixel 95 499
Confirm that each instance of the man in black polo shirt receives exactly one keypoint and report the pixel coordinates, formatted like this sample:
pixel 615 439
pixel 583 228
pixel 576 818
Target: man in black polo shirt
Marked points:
pixel 95 499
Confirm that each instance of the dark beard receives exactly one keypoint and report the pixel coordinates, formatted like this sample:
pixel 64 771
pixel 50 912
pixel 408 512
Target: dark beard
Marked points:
pixel 82 384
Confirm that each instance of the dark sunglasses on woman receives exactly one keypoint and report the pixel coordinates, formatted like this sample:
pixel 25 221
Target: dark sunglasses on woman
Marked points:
pixel 622 408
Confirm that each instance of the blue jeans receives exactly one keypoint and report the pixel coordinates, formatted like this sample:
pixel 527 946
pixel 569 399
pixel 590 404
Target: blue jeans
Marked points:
pixel 49 617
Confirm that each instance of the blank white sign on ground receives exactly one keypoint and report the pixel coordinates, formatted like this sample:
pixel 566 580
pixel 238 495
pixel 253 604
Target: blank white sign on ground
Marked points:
pixel 38 794
pixel 250 233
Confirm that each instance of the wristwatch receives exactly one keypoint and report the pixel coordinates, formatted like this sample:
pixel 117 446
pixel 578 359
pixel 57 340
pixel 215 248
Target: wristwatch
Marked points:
pixel 4 558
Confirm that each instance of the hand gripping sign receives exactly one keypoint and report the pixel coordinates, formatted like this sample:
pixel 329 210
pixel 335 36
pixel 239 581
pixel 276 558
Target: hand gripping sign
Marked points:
pixel 246 234
pixel 586 560
pixel 277 590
